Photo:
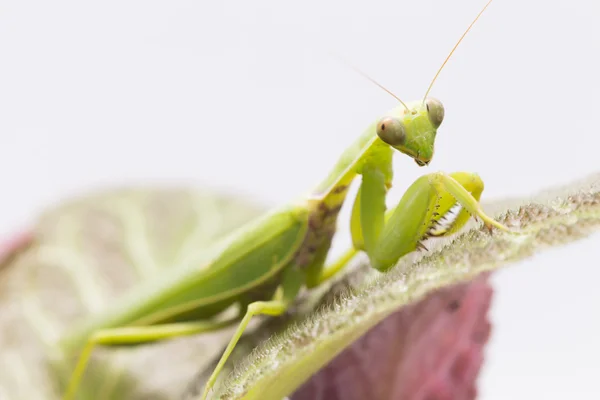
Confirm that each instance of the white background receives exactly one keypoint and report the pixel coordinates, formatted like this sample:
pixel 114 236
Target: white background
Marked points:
pixel 245 96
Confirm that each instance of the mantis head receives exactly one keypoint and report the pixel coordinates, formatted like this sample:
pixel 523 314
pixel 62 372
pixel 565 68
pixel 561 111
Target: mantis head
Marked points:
pixel 412 130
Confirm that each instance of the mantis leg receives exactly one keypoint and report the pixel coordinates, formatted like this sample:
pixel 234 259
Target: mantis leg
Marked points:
pixel 423 211
pixel 375 185
pixel 135 335
pixel 330 270
pixel 434 205
pixel 292 282
pixel 327 272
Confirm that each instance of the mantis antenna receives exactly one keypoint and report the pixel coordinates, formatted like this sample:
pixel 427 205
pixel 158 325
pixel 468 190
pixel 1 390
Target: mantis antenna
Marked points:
pixel 380 86
pixel 364 75
pixel 454 48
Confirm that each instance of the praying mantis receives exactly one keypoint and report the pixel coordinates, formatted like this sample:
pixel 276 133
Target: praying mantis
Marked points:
pixel 262 267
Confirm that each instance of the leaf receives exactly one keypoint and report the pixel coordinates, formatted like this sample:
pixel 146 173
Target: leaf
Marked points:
pixel 366 306
pixel 81 255
pixel 431 349
pixel 114 240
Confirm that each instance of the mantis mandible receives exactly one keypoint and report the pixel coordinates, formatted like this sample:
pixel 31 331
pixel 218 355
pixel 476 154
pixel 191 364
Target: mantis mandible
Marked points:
pixel 263 266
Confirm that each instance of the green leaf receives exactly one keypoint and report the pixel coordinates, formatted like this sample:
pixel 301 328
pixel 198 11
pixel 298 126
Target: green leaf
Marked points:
pixel 81 255
pixel 314 338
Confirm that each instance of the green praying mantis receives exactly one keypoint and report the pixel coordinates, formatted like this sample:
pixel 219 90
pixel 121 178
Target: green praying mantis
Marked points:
pixel 262 267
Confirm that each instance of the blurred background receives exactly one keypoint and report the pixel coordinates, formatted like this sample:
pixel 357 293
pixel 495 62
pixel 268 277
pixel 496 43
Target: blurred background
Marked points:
pixel 246 97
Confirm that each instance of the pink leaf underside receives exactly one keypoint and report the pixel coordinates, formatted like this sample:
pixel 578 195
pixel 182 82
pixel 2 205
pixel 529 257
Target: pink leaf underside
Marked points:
pixel 431 350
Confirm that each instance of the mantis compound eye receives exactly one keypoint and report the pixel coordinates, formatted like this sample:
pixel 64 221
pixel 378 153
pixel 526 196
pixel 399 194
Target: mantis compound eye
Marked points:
pixel 435 110
pixel 391 131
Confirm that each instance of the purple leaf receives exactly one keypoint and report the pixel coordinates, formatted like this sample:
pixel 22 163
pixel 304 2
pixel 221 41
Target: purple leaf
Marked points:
pixel 429 350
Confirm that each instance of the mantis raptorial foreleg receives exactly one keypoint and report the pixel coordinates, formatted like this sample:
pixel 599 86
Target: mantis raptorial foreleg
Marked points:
pixel 386 237
pixel 424 210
